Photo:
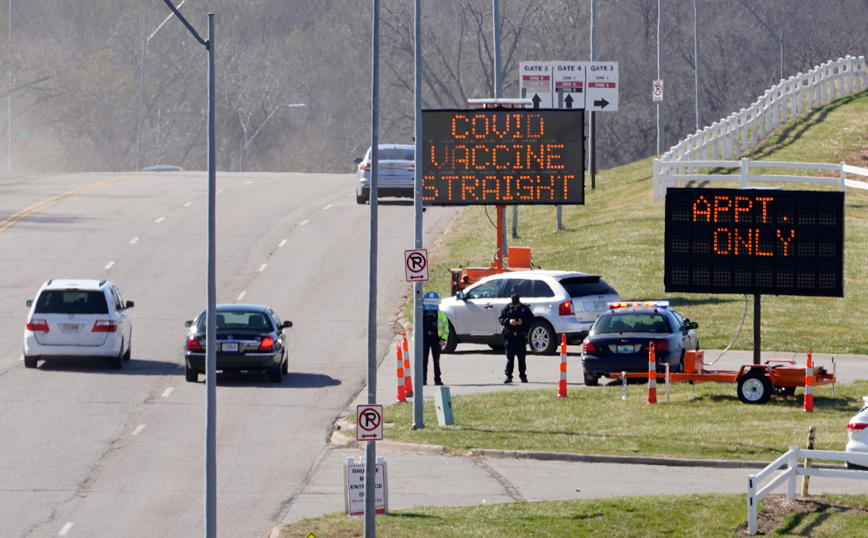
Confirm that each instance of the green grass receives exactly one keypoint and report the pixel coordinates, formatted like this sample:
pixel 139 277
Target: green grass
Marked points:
pixel 710 424
pixel 618 234
pixel 695 516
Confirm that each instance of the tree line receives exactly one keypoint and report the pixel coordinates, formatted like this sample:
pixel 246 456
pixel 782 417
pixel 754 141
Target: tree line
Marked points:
pixel 77 72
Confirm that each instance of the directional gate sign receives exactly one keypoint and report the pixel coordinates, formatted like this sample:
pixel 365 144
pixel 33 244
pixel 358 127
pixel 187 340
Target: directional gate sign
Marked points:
pixel 569 84
pixel 536 83
pixel 369 422
pixel 602 87
pixel 416 264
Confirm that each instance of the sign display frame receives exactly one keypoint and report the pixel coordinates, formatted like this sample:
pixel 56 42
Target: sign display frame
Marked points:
pixel 503 156
pixel 754 241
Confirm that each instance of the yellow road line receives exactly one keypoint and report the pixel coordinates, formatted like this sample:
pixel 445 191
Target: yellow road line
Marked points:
pixel 46 203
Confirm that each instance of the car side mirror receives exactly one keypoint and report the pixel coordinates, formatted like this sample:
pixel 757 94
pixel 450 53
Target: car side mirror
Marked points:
pixel 130 304
pixel 690 324
pixel 286 324
pixel 357 160
pixel 29 303
pixel 188 323
pixel 460 296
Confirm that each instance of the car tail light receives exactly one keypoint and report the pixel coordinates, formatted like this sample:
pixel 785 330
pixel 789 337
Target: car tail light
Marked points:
pixel 588 347
pixel 193 343
pixel 37 325
pixel 267 344
pixel 567 309
pixel 105 326
pixel 365 167
pixel 662 345
pixel 857 426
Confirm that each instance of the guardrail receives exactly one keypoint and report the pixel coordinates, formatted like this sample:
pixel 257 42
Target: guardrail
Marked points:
pixel 791 460
pixel 668 174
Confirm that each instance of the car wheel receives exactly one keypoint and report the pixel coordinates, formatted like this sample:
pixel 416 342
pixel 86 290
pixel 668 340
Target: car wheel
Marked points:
pixel 285 365
pixel 191 375
pixel 541 338
pixel 679 366
pixel 754 388
pixel 116 363
pixel 451 341
pixel 129 354
pixel 591 379
pixel 275 373
pixel 30 362
pixel 361 196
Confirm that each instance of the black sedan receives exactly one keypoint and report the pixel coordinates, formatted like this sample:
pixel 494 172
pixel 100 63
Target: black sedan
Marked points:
pixel 249 337
pixel 619 340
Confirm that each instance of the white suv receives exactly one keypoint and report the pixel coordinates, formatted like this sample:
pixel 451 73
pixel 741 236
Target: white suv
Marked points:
pixel 562 302
pixel 78 318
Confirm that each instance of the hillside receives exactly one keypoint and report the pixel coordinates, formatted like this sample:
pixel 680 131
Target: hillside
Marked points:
pixel 618 234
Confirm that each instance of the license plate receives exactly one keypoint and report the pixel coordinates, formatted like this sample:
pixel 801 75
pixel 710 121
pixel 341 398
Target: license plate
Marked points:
pixel 599 305
pixel 625 348
pixel 231 347
pixel 70 326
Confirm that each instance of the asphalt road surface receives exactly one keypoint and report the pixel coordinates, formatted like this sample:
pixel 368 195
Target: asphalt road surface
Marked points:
pixel 93 452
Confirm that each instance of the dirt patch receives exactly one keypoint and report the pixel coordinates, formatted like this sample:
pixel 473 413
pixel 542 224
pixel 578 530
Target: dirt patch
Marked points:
pixel 776 507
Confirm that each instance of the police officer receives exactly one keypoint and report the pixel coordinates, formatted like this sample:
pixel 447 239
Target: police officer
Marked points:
pixel 436 330
pixel 516 319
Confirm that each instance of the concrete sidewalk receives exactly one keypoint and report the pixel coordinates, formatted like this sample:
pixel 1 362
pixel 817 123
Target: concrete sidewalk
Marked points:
pixel 421 475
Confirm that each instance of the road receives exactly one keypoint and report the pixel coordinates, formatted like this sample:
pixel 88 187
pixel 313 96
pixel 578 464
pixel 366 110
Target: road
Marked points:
pixel 93 452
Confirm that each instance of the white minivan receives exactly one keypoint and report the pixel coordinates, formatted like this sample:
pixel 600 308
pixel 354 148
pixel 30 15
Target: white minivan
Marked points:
pixel 78 318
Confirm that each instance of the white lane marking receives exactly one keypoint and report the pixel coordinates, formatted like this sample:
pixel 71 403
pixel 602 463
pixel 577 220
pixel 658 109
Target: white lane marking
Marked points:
pixel 109 265
pixel 188 204
pixel 249 183
pixel 159 220
pixel 221 190
pixel 168 391
pixel 282 243
pixel 139 429
pixel 262 267
pixel 241 295
pixel 350 194
pixel 328 206
pixel 302 223
pixel 21 358
pixel 66 528
pixel 134 240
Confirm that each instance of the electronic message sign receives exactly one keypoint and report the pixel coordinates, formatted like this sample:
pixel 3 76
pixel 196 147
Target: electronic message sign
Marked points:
pixel 754 241
pixel 503 157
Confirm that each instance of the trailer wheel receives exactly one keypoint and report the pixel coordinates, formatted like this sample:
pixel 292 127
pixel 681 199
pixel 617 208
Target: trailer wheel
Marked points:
pixel 754 388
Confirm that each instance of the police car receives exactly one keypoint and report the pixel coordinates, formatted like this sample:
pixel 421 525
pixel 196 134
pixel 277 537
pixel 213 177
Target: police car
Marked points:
pixel 620 338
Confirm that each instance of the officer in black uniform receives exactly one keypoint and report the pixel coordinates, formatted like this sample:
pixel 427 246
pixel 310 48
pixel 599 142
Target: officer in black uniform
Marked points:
pixel 516 319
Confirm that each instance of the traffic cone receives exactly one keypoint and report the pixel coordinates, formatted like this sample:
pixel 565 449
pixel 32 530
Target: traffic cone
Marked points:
pixel 809 386
pixel 402 391
pixel 408 379
pixel 562 383
pixel 652 375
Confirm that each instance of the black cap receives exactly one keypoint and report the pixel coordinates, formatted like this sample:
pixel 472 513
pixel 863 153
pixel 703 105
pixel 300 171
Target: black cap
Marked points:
pixel 516 299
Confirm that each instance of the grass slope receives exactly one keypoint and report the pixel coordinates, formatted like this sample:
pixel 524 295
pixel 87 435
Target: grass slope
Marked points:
pixel 618 233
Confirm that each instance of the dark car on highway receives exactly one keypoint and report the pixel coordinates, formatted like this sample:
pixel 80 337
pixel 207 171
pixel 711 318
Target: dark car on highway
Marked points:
pixel 249 337
pixel 619 340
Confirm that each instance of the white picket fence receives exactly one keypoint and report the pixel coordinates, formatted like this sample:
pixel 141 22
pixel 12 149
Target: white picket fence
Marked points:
pixel 790 459
pixel 743 130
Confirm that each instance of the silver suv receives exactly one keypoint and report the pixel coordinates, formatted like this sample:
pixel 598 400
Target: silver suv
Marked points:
pixel 78 318
pixel 562 302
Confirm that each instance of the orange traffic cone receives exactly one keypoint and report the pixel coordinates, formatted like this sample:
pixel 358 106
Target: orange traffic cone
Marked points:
pixel 402 391
pixel 809 386
pixel 408 379
pixel 562 382
pixel 652 375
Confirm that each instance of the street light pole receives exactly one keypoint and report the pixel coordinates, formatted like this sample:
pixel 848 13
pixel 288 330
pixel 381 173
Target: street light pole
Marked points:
pixel 9 89
pixel 661 135
pixel 211 289
pixel 256 133
pixel 696 66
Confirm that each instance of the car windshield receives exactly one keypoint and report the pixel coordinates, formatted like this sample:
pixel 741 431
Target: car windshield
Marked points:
pixel 632 323
pixel 583 286
pixel 234 320
pixel 71 302
pixel 396 154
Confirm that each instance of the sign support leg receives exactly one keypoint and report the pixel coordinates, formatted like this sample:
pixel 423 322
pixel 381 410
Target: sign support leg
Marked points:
pixel 500 238
pixel 757 337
